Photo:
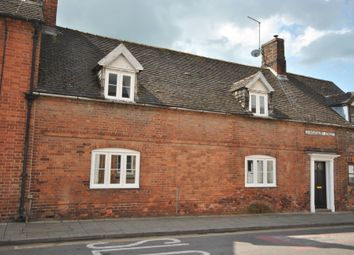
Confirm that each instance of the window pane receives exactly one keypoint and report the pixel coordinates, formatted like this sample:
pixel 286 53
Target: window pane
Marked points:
pixel 100 163
pixel 126 86
pixel 261 105
pixel 112 79
pixel 259 171
pixel 250 171
pixel 112 90
pixel 351 174
pixel 115 168
pixel 131 169
pixel 270 172
pixel 253 104
pixel 351 169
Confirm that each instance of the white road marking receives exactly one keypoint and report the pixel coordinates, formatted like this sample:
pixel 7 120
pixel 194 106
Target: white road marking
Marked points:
pixel 138 248
pixel 179 252
pixel 167 241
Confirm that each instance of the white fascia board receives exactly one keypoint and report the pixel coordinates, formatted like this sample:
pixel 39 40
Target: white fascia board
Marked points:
pixel 260 76
pixel 114 54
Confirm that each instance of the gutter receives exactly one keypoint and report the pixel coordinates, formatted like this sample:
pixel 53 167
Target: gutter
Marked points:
pixel 37 93
pixel 29 97
pixel 128 103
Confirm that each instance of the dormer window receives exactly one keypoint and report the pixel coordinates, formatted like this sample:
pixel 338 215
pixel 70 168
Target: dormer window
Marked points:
pixel 118 74
pixel 258 104
pixel 253 94
pixel 119 85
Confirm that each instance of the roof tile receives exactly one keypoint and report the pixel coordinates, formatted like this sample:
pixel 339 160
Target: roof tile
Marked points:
pixel 177 79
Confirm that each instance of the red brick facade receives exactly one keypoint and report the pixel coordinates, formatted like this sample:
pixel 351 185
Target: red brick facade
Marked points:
pixel 50 12
pixel 191 162
pixel 202 155
pixel 15 82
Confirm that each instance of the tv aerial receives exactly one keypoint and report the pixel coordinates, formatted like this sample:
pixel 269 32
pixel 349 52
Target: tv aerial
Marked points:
pixel 257 52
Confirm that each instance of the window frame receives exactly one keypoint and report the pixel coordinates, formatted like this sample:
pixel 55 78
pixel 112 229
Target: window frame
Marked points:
pixel 264 158
pixel 119 92
pixel 108 152
pixel 258 105
pixel 350 164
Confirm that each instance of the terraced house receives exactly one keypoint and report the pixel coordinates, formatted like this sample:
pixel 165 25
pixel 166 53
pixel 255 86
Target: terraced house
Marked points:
pixel 98 127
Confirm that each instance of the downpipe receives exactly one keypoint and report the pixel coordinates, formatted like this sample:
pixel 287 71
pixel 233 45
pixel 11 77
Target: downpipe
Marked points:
pixel 30 97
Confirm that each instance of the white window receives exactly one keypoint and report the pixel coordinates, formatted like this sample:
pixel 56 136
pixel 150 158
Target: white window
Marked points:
pixel 119 85
pixel 260 171
pixel 258 104
pixel 114 168
pixel 343 111
pixel 351 173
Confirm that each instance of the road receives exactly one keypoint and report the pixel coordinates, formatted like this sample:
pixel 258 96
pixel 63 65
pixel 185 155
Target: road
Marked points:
pixel 326 240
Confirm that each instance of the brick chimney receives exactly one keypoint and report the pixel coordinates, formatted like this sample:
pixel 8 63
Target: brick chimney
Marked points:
pixel 50 12
pixel 273 55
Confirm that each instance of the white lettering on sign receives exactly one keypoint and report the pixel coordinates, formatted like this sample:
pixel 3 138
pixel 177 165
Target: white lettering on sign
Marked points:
pixel 322 133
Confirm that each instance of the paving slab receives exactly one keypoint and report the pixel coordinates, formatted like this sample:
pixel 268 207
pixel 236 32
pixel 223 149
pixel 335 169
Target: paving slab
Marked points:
pixel 57 231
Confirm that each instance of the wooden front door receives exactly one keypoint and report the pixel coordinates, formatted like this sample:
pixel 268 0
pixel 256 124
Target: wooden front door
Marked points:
pixel 320 184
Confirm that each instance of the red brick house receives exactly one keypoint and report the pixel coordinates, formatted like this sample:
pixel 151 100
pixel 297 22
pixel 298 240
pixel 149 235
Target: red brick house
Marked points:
pixel 97 127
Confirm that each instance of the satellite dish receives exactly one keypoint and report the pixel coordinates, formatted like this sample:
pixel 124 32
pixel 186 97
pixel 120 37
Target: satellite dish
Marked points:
pixel 255 53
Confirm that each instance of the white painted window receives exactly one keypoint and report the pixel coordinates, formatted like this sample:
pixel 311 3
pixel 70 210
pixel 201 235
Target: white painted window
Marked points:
pixel 343 111
pixel 351 174
pixel 258 104
pixel 114 168
pixel 260 171
pixel 119 85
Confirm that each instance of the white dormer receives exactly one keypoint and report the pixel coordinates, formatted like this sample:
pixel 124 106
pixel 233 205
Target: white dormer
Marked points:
pixel 118 74
pixel 258 90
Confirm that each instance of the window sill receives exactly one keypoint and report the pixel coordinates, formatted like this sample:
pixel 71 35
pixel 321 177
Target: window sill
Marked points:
pixel 260 186
pixel 260 116
pixel 114 187
pixel 114 99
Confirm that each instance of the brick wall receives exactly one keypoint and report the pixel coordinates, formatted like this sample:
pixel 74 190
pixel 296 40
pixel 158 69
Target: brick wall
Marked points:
pixel 200 154
pixel 50 12
pixel 15 82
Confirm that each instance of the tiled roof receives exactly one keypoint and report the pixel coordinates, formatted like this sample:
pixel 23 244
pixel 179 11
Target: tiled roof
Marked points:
pixel 28 10
pixel 172 78
pixel 338 99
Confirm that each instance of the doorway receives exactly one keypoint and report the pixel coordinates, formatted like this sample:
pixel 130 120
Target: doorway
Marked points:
pixel 320 185
pixel 322 181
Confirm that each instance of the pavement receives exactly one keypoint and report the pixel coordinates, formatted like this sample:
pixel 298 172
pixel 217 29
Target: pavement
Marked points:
pixel 72 230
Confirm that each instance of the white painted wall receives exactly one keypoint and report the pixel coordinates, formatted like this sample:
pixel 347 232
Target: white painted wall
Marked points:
pixel 258 86
pixel 121 63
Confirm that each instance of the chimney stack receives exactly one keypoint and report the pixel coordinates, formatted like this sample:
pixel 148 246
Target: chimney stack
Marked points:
pixel 273 55
pixel 50 12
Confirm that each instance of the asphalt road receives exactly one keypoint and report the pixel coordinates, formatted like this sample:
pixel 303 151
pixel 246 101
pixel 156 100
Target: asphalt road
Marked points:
pixel 327 240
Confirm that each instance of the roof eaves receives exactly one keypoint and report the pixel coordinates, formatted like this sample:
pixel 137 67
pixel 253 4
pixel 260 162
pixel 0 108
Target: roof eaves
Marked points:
pixel 20 17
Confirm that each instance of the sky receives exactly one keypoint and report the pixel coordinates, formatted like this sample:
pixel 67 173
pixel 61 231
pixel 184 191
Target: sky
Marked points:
pixel 318 34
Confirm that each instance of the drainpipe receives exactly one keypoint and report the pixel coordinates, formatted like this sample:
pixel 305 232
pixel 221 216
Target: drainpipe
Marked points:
pixel 29 97
pixel 6 31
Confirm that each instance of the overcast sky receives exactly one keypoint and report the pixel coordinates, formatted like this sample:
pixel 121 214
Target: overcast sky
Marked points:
pixel 319 34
